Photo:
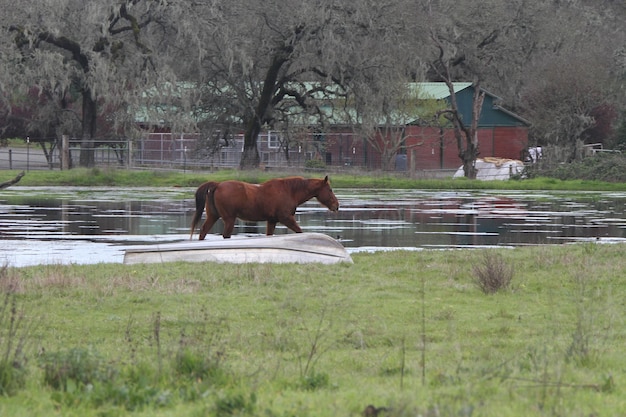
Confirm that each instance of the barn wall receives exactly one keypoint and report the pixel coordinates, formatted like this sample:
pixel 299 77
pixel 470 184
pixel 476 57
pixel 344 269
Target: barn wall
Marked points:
pixel 510 142
pixel 485 142
pixel 427 150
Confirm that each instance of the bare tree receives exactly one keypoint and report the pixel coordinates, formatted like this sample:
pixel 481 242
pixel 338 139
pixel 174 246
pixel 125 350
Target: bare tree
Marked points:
pixel 277 64
pixel 518 47
pixel 91 48
pixel 463 44
pixel 384 111
pixel 567 86
pixel 278 60
pixel 562 101
pixel 465 132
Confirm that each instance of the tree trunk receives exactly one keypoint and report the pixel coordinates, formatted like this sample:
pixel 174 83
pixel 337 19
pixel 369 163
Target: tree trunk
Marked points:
pixel 250 158
pixel 87 144
pixel 13 181
pixel 471 150
pixel 468 156
pixel 467 137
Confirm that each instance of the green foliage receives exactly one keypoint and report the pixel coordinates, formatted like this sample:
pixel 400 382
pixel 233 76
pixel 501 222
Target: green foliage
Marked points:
pixel 314 380
pixel 619 139
pixel 539 180
pixel 234 403
pixel 201 351
pixel 12 377
pixel 315 164
pixel 602 167
pixel 199 367
pixel 74 368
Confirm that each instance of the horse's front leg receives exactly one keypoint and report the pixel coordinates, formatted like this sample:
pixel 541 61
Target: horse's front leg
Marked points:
pixel 291 223
pixel 271 226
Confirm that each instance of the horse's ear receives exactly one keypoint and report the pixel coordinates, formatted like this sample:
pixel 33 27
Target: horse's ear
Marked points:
pixel 326 178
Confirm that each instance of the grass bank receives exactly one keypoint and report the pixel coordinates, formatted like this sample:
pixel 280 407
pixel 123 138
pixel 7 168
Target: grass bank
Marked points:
pixel 408 331
pixel 146 178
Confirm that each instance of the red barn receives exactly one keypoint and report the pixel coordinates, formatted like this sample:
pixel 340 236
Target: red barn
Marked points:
pixel 501 133
pixel 423 147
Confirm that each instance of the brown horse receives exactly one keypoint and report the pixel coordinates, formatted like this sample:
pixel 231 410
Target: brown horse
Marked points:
pixel 272 201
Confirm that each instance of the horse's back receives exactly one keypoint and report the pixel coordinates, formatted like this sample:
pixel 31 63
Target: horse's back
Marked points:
pixel 239 199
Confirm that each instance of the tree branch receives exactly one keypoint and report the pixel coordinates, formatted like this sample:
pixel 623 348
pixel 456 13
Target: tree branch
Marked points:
pixel 9 183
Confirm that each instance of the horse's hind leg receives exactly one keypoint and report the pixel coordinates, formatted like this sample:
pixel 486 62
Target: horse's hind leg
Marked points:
pixel 208 224
pixel 229 225
pixel 291 223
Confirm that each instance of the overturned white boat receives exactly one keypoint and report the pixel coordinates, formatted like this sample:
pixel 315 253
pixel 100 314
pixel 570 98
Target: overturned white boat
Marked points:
pixel 290 248
pixel 493 168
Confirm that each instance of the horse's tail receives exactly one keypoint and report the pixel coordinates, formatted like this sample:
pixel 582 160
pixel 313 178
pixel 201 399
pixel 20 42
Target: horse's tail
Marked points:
pixel 201 200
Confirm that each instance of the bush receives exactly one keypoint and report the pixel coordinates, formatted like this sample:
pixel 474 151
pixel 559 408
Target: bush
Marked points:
pixel 314 164
pixel 82 376
pixel 493 274
pixel 12 377
pixel 609 167
pixel 74 367
pixel 314 381
pixel 199 367
pixel 234 403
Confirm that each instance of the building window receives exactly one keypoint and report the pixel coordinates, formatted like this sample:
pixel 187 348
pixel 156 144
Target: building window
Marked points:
pixel 319 137
pixel 273 140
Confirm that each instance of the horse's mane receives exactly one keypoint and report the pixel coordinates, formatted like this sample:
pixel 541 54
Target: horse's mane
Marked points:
pixel 295 183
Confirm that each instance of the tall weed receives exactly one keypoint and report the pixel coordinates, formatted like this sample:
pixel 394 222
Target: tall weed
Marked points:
pixel 15 331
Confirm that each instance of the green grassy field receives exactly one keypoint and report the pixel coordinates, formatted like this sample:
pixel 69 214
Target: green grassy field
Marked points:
pixel 356 179
pixel 409 331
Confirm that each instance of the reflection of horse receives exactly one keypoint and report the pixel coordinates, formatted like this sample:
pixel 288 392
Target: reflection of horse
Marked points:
pixel 272 201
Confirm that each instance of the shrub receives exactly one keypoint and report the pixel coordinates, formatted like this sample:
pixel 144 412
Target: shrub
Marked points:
pixel 12 377
pixel 199 367
pixel 82 376
pixel 492 274
pixel 314 380
pixel 315 164
pixel 235 403
pixel 610 167
pixel 75 367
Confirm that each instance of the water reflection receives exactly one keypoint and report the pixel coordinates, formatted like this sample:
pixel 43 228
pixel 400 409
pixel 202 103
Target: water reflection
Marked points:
pixel 388 218
pixel 460 219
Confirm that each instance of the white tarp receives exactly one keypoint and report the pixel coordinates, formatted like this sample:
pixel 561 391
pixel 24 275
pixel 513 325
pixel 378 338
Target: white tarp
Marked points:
pixel 492 168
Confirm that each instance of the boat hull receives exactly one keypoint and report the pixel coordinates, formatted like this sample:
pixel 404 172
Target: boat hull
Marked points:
pixel 290 248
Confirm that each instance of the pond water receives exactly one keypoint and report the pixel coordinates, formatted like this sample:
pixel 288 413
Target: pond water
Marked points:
pixel 90 225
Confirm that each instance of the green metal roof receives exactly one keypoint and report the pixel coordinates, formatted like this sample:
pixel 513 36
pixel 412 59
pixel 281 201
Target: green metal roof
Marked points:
pixel 436 91
pixel 344 116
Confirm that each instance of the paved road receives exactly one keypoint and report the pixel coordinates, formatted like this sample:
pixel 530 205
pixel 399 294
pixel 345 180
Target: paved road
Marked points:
pixel 23 158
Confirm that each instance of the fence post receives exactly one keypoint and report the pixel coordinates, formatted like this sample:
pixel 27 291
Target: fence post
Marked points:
pixel 10 158
pixel 129 164
pixel 27 153
pixel 65 152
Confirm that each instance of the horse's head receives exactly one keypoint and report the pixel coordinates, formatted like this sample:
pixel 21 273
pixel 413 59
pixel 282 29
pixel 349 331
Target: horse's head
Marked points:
pixel 326 196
